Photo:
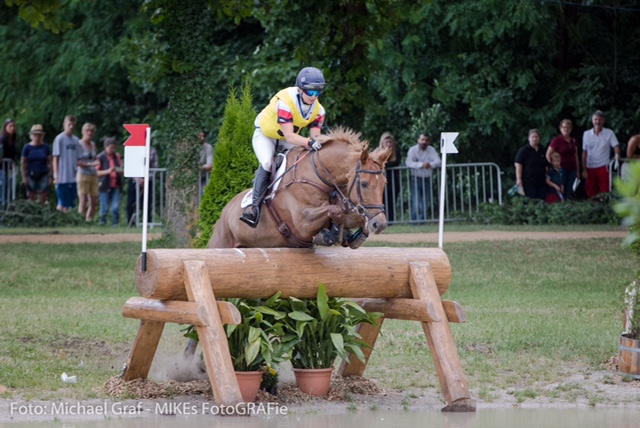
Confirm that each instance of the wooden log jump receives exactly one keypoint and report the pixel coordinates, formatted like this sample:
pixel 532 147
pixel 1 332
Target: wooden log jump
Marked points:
pixel 182 286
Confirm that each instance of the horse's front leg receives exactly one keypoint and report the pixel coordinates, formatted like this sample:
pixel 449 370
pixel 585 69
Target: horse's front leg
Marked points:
pixel 316 220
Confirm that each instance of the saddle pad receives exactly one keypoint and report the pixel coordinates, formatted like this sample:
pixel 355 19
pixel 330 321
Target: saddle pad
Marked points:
pixel 282 159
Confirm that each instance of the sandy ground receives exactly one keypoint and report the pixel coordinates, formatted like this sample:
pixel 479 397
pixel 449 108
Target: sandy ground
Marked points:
pixel 391 238
pixel 580 388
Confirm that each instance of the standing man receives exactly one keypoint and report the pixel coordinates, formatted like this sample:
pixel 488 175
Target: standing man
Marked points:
pixel 421 158
pixel 596 151
pixel 65 165
pixel 205 163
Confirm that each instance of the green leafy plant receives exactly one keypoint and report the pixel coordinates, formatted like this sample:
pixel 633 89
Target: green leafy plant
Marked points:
pixel 325 329
pixel 259 341
pixel 629 209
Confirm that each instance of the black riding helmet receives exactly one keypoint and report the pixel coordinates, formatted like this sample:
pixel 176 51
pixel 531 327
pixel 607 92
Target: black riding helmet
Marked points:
pixel 310 78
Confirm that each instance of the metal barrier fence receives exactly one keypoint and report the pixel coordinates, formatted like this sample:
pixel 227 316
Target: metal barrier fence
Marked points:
pixel 8 185
pixel 157 198
pixel 410 199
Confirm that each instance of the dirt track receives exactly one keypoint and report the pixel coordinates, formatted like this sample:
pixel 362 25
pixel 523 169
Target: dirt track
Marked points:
pixel 397 238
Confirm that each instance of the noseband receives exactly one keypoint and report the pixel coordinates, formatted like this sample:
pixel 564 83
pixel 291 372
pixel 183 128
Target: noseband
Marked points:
pixel 360 208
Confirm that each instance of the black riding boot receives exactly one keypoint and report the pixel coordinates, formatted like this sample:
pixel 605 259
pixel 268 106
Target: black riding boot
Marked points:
pixel 251 214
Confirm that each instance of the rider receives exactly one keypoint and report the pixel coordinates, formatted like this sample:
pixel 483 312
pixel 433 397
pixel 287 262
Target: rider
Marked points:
pixel 278 127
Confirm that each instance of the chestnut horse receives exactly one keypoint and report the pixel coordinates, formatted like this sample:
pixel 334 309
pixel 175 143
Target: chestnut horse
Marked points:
pixel 342 182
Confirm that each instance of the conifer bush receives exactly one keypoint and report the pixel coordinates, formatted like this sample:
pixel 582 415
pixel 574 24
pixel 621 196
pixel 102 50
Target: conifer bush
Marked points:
pixel 234 162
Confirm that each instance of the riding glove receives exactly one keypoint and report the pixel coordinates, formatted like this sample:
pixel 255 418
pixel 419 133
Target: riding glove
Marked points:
pixel 313 144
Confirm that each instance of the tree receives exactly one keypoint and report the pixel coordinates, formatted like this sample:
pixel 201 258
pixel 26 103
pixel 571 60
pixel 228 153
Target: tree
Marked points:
pixel 235 161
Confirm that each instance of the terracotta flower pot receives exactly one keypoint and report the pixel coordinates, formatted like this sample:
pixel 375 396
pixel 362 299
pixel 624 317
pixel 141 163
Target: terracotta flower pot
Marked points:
pixel 314 381
pixel 249 383
pixel 629 357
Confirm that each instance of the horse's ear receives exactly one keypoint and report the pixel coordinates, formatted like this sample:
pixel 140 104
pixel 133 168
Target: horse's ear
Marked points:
pixel 380 156
pixel 364 156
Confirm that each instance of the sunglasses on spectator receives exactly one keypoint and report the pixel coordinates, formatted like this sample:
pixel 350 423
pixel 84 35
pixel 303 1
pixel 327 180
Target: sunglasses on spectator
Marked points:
pixel 312 92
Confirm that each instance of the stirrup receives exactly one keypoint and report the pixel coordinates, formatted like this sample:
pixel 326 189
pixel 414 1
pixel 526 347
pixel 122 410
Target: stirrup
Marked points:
pixel 251 216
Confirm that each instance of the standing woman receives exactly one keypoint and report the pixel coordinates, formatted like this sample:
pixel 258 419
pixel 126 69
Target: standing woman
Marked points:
pixel 392 189
pixel 87 175
pixel 8 151
pixel 531 168
pixel 110 178
pixel 567 147
pixel 36 166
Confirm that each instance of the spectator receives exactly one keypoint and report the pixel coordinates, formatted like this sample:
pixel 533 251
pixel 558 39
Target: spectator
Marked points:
pixel 393 187
pixel 633 147
pixel 110 182
pixel 566 146
pixel 36 165
pixel 8 158
pixel 555 180
pixel 421 158
pixel 87 175
pixel 136 185
pixel 65 165
pixel 205 162
pixel 531 167
pixel 633 152
pixel 596 152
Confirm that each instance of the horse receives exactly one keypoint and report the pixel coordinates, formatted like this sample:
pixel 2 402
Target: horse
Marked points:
pixel 340 186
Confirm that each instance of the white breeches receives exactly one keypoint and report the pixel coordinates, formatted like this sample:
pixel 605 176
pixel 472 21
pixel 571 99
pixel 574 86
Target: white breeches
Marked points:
pixel 265 148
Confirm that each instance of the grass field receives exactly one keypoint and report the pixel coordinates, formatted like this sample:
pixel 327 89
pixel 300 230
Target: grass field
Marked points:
pixel 533 308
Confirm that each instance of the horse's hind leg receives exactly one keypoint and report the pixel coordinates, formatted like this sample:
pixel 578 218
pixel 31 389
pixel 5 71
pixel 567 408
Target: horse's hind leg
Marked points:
pixel 190 350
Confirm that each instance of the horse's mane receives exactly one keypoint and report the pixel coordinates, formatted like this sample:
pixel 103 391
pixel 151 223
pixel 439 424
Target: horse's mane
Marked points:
pixel 344 135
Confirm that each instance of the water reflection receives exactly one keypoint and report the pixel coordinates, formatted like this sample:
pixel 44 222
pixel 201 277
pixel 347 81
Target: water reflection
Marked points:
pixel 494 418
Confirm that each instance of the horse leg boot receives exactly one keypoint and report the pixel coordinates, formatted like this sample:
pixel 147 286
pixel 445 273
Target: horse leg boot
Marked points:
pixel 328 237
pixel 251 214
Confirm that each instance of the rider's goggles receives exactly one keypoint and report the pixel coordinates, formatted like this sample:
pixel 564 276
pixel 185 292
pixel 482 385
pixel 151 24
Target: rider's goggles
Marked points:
pixel 312 92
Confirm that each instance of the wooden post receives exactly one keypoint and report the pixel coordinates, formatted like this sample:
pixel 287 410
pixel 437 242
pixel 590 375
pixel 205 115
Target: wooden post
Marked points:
pixel 355 367
pixel 212 337
pixel 143 351
pixel 443 349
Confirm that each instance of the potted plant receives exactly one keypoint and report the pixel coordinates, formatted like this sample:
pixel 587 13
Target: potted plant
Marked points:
pixel 256 344
pixel 629 354
pixel 629 210
pixel 324 329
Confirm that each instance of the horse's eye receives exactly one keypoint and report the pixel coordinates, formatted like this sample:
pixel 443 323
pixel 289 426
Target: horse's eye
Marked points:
pixel 365 184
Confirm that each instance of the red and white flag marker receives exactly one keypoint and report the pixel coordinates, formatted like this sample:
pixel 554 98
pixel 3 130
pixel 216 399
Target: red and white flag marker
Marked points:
pixel 446 146
pixel 136 164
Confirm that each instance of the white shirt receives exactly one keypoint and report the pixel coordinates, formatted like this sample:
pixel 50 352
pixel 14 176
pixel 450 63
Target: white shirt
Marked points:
pixel 598 147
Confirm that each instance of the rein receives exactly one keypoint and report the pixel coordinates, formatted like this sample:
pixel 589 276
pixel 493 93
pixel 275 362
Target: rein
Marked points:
pixel 360 208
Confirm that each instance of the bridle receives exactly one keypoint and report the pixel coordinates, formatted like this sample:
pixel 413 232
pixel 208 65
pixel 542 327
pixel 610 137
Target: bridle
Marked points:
pixel 360 207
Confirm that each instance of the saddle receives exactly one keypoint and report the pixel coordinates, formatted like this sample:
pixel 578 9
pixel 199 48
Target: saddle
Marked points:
pixel 277 171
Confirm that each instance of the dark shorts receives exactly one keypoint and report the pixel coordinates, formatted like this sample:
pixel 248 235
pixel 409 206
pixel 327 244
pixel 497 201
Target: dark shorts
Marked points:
pixel 38 185
pixel 67 193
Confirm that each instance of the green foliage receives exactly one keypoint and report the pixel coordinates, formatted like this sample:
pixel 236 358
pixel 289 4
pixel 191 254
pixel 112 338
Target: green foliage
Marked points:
pixel 521 210
pixel 326 329
pixel 628 208
pixel 234 163
pixel 23 213
pixel 259 342
pixel 41 12
pixel 254 343
pixel 484 68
